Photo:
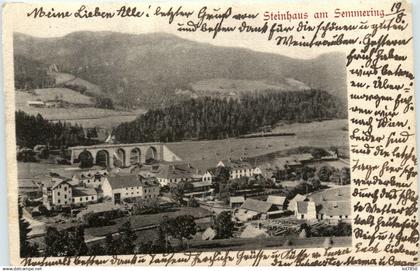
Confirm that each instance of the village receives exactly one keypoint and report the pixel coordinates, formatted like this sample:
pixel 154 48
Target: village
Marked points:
pixel 109 166
pixel 280 202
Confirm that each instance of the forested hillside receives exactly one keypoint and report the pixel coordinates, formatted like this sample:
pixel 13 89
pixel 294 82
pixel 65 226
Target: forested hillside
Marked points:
pixel 212 118
pixel 31 74
pixel 35 130
pixel 155 69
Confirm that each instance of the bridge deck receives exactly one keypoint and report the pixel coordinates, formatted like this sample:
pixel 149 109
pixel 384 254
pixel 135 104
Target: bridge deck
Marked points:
pixel 104 146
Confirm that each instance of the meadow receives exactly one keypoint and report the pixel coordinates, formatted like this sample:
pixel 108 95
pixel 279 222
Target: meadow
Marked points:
pixel 325 134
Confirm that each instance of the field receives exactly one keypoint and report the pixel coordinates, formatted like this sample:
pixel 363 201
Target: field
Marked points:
pixel 45 94
pixel 231 87
pixel 323 134
pixel 61 78
pixel 87 116
pixel 32 169
pixel 341 193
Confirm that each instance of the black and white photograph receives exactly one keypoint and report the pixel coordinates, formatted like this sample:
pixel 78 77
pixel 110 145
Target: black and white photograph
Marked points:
pixel 154 143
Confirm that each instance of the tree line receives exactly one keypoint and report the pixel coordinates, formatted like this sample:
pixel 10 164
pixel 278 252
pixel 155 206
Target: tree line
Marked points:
pixel 213 118
pixel 30 74
pixel 35 130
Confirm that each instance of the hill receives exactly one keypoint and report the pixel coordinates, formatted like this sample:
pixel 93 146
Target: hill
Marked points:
pixel 155 69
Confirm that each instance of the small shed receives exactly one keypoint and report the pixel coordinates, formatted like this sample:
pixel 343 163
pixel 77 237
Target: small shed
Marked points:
pixel 236 202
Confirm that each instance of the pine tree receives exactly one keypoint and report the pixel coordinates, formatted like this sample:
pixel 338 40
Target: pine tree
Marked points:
pixel 26 249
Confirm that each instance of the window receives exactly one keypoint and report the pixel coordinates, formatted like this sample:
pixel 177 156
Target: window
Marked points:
pixel 65 188
pixel 302 216
pixel 65 202
pixel 87 198
pixel 58 201
pixel 93 197
pixel 88 181
pixel 65 196
pixel 73 200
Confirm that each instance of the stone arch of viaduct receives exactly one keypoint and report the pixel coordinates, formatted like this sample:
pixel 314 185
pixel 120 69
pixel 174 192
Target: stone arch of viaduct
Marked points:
pixel 126 154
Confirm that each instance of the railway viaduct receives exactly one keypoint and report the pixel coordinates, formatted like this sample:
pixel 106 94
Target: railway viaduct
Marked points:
pixel 124 154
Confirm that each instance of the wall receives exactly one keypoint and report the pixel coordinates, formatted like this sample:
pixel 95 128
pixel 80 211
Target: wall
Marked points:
pixel 62 195
pixel 82 199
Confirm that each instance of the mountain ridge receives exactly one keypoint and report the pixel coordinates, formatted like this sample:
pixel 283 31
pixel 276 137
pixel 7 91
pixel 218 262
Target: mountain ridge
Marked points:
pixel 148 69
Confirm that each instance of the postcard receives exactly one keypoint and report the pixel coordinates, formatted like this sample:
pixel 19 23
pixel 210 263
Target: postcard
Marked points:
pixel 211 133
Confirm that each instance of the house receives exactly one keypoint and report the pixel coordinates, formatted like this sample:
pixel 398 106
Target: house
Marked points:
pixel 304 158
pixel 277 201
pixel 150 188
pixel 200 189
pixel 35 103
pixel 209 175
pixel 120 187
pixel 90 177
pixel 253 209
pixel 239 168
pixel 334 210
pixel 236 202
pixel 305 210
pixel 56 192
pixel 293 202
pixel 167 174
pixel 332 155
pixel 94 177
pixel 53 103
pixel 287 163
pixel 98 208
pixel 84 195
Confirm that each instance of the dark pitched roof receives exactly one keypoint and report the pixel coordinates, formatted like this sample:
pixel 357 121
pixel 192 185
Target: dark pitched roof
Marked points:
pixel 53 182
pixel 123 181
pixel 278 200
pixel 256 205
pixel 233 164
pixel 175 171
pixel 80 192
